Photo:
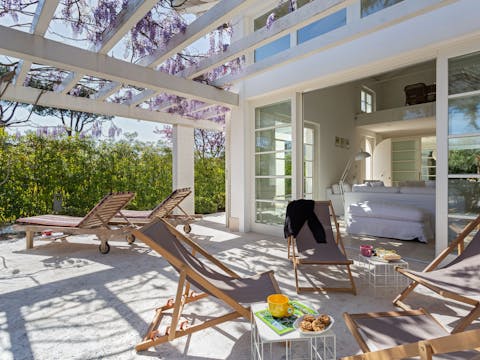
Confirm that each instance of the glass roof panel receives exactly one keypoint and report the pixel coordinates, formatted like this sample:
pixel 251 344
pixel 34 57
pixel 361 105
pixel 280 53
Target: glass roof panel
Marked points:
pixel 124 94
pixel 18 14
pixel 45 77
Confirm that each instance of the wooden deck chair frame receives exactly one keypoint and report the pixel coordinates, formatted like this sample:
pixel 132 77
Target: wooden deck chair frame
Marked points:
pixel 162 210
pixel 459 244
pixel 184 295
pixel 96 222
pixel 425 349
pixel 298 262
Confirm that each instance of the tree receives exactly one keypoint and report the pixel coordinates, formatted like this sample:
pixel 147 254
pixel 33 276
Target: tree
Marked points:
pixel 8 109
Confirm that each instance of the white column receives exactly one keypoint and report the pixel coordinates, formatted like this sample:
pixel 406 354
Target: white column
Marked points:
pixel 183 173
pixel 297 141
pixel 237 170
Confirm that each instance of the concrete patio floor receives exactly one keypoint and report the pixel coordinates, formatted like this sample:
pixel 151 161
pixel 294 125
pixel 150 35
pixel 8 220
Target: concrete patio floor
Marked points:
pixel 68 301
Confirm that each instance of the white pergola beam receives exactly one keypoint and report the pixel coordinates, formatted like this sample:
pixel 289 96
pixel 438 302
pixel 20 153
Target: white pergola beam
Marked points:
pixel 307 14
pixel 41 20
pixel 69 83
pixel 370 24
pixel 43 15
pixel 141 97
pixel 212 19
pixel 126 20
pixel 44 51
pixel 30 95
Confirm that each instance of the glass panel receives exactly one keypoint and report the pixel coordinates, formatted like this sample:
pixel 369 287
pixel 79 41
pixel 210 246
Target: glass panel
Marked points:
pixel 273 115
pixel 464 155
pixel 455 227
pixel 273 164
pixel 273 188
pixel 308 185
pixel 308 152
pixel 464 73
pixel 403 176
pixel 403 145
pixel 464 115
pixel 403 155
pixel 403 166
pixel 464 196
pixel 322 26
pixel 280 11
pixel 372 6
pixel 308 169
pixel 272 48
pixel 271 212
pixel 308 136
pixel 273 139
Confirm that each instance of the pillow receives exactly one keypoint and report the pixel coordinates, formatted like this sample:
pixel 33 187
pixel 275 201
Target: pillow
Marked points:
pixel 336 189
pixel 417 190
pixel 412 183
pixel 375 183
pixel 347 188
pixel 376 189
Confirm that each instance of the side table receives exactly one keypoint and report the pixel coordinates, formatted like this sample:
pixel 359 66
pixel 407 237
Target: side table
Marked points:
pixel 320 346
pixel 380 273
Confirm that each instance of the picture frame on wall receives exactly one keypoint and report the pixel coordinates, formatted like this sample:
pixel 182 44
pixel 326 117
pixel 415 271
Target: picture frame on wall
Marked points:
pixel 338 141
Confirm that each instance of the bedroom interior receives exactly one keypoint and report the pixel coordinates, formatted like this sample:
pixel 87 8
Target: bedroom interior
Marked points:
pixel 391 116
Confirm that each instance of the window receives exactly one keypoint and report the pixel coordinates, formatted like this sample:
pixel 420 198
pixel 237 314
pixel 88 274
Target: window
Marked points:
pixel 273 162
pixel 322 26
pixel 463 140
pixel 308 160
pixel 367 100
pixel 372 6
pixel 429 157
pixel 280 44
pixel 369 143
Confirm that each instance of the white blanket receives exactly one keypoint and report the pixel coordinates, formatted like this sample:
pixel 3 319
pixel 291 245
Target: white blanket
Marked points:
pixel 386 210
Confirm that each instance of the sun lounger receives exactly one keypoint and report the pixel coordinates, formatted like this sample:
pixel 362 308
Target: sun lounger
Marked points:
pixel 95 222
pixel 408 334
pixel 458 280
pixel 162 210
pixel 218 281
pixel 305 251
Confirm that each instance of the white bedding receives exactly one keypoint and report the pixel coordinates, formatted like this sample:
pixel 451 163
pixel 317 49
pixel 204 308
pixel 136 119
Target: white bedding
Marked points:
pixel 386 210
pixel 390 228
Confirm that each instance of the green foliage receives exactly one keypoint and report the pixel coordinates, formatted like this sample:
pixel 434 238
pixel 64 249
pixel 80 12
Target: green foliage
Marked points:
pixel 209 185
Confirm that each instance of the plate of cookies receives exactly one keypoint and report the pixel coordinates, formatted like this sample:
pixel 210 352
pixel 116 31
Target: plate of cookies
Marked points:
pixel 313 324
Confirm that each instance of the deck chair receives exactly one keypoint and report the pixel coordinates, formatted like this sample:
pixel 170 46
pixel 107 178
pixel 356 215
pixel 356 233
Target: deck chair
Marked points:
pixel 458 280
pixel 408 334
pixel 305 251
pixel 95 222
pixel 222 283
pixel 162 210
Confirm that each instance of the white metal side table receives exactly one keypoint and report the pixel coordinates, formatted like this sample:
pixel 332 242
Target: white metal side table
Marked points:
pixel 380 273
pixel 319 346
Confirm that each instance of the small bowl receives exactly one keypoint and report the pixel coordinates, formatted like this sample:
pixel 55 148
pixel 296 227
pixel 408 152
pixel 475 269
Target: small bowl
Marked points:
pixel 366 250
pixel 297 326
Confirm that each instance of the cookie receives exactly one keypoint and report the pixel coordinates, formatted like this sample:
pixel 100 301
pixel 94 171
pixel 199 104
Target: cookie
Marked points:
pixel 306 325
pixel 324 319
pixel 309 318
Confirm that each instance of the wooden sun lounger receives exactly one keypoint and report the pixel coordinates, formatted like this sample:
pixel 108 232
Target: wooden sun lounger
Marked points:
pixel 218 281
pixel 163 210
pixel 408 334
pixel 458 280
pixel 95 222
pixel 305 251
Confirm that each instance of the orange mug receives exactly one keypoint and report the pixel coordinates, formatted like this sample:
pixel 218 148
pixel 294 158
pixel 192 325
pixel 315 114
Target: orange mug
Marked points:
pixel 279 306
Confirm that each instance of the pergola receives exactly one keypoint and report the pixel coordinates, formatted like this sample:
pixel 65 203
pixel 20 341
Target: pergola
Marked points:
pixel 211 103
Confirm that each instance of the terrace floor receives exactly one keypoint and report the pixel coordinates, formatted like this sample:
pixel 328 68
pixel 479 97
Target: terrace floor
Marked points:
pixel 67 301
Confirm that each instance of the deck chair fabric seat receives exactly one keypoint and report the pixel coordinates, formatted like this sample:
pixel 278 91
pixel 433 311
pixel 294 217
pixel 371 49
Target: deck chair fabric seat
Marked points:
pixel 222 283
pixel 396 335
pixel 458 280
pixel 95 222
pixel 304 250
pixel 51 220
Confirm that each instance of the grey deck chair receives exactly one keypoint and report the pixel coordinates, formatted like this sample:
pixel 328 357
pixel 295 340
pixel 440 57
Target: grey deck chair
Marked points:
pixel 162 210
pixel 222 283
pixel 458 280
pixel 305 251
pixel 408 334
pixel 95 222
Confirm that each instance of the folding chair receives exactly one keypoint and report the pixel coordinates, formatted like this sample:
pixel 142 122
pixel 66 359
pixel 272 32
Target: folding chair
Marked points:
pixel 408 334
pixel 162 210
pixel 95 222
pixel 304 250
pixel 222 283
pixel 458 280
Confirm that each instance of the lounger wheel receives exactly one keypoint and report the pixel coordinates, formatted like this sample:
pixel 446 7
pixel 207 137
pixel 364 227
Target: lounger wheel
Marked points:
pixel 104 248
pixel 187 228
pixel 130 239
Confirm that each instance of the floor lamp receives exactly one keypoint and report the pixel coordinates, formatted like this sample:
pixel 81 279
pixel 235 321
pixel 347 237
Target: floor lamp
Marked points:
pixel 361 155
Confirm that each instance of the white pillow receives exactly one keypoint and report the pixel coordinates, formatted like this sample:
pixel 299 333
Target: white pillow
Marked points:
pixel 336 189
pixel 347 188
pixel 375 183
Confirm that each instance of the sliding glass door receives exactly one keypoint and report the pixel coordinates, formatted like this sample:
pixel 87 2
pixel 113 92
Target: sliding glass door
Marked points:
pixel 273 162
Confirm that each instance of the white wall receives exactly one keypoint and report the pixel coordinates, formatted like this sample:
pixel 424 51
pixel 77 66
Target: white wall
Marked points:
pixel 334 110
